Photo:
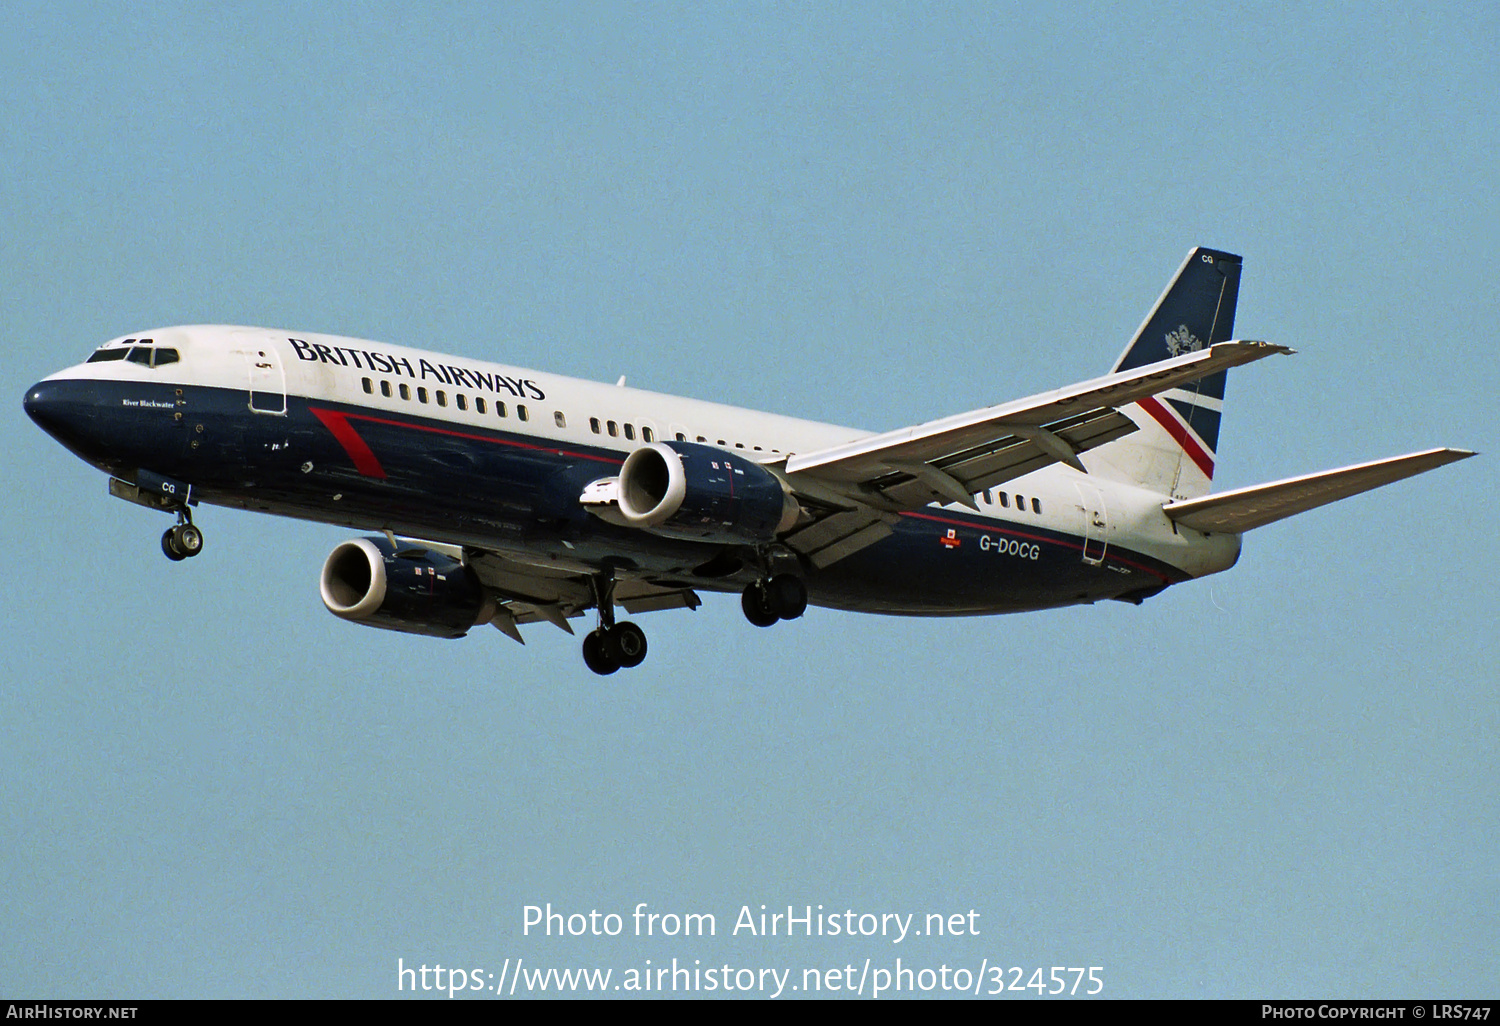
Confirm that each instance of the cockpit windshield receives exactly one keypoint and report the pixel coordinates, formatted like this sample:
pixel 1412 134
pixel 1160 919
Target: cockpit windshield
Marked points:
pixel 136 350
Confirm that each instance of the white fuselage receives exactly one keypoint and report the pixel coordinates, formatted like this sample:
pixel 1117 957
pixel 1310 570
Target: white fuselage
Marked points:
pixel 284 372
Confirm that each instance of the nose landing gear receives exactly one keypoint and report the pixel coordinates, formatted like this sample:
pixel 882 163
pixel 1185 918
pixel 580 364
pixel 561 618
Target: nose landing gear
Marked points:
pixel 184 540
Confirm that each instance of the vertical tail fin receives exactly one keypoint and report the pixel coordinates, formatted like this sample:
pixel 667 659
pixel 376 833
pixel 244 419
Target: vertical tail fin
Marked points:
pixel 1174 450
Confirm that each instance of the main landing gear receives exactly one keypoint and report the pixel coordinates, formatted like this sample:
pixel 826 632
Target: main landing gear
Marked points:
pixel 184 540
pixel 612 645
pixel 783 597
pixel 607 649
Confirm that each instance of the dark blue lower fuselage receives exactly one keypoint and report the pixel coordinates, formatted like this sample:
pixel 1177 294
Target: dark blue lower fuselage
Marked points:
pixel 497 489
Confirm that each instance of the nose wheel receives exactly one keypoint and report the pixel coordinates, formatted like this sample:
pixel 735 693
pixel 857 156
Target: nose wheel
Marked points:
pixel 182 541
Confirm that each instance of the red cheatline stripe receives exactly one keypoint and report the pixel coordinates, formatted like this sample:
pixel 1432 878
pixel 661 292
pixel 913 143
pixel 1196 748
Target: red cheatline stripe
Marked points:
pixel 1180 435
pixel 339 424
pixel 364 460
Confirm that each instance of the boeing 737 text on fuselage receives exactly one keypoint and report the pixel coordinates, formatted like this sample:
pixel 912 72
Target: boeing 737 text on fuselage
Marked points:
pixel 494 494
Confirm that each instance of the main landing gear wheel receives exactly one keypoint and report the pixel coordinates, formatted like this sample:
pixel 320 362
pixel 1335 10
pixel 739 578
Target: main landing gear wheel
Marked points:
pixel 630 642
pixel 612 645
pixel 598 654
pixel 182 541
pixel 787 596
pixel 611 648
pixel 757 606
pixel 783 597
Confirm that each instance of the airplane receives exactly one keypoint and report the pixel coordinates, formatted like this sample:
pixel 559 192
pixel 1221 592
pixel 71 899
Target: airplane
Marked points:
pixel 499 495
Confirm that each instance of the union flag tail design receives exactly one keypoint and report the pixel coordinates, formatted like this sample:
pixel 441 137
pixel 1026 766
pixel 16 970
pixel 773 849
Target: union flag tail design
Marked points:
pixel 1174 451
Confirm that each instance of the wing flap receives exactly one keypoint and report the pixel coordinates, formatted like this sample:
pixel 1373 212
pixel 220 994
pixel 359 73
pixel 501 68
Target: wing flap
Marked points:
pixel 530 593
pixel 644 597
pixel 830 539
pixel 1244 509
pixel 1014 456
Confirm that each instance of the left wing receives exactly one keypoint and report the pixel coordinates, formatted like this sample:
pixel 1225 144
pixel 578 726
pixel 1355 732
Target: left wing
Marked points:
pixel 863 485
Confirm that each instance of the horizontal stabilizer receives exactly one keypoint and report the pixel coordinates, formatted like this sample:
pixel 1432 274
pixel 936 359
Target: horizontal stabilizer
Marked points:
pixel 1245 508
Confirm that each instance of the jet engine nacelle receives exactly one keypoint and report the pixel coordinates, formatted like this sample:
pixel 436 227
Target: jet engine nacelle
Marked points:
pixel 406 588
pixel 687 490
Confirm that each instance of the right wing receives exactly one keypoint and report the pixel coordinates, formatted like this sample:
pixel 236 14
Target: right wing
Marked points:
pixel 859 488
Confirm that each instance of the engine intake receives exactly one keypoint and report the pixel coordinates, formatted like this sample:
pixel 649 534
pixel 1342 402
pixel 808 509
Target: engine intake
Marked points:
pixel 688 490
pixel 409 589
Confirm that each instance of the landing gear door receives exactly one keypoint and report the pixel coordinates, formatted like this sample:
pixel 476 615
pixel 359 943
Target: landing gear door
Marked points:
pixel 1095 523
pixel 267 378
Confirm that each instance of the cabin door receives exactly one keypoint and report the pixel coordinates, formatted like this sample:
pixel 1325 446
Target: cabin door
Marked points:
pixel 1095 523
pixel 267 376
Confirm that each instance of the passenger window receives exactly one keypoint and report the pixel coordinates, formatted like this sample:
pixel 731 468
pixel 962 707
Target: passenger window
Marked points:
pixel 1004 501
pixel 368 386
pixel 479 404
pixel 385 389
pixel 681 437
pixel 647 435
pixel 630 432
pixel 1036 505
pixel 442 397
pixel 614 429
pixel 594 425
pixel 521 413
pixel 1020 504
pixel 559 419
pixel 421 393
pixel 405 390
pixel 461 402
pixel 499 409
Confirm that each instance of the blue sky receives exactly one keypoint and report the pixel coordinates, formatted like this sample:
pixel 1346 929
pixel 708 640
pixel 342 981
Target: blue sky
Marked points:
pixel 1277 782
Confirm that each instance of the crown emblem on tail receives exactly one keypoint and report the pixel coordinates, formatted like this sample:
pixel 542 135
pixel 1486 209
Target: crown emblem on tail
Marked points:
pixel 1183 341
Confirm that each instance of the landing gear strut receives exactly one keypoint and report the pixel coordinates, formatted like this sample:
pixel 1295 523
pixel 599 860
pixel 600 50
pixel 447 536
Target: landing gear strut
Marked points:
pixel 184 540
pixel 612 645
pixel 783 597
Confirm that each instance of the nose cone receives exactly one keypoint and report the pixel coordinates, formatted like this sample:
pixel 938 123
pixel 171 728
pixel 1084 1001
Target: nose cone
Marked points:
pixel 42 405
pixel 68 412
